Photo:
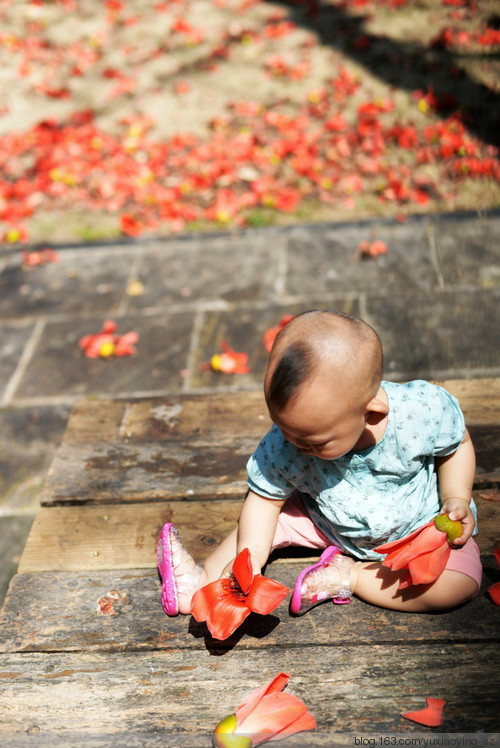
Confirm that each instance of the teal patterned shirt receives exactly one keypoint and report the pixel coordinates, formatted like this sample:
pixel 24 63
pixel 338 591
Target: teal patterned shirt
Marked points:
pixel 376 495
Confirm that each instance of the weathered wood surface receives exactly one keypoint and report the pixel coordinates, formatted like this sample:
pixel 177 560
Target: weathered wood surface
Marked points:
pixel 165 448
pixel 121 611
pixel 200 418
pixel 198 446
pixel 90 658
pixel 349 689
pixel 124 536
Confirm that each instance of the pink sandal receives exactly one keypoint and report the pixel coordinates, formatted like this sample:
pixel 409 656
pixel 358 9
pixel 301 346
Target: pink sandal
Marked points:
pixel 164 553
pixel 172 557
pixel 331 556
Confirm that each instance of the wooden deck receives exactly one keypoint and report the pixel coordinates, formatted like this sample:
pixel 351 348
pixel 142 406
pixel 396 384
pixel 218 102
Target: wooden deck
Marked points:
pixel 89 658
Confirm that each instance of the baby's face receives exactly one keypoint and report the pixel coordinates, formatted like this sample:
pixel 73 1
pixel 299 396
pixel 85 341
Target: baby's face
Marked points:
pixel 321 423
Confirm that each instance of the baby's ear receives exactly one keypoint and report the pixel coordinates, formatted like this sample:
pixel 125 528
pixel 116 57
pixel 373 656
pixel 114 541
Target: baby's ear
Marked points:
pixel 378 405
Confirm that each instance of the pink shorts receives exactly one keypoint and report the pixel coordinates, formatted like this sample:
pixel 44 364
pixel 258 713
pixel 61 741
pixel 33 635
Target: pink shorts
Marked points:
pixel 296 528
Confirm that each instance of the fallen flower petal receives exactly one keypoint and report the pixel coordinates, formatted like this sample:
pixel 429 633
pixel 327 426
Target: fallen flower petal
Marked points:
pixel 431 715
pixel 38 257
pixel 265 714
pixel 424 553
pixel 494 590
pixel 229 361
pixel 271 333
pixel 225 603
pixel 372 249
pixel 106 343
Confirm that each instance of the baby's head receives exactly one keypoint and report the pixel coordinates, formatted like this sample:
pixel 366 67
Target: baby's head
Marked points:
pixel 322 380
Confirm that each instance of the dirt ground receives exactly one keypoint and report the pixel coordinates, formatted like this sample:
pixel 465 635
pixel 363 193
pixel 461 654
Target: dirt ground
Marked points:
pixel 152 71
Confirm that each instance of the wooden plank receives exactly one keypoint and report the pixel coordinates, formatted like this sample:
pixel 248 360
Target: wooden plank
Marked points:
pixel 479 398
pixel 156 449
pixel 124 536
pixel 200 417
pixel 122 611
pixel 486 440
pixel 178 694
pixel 103 473
pixel 174 448
pixel 219 416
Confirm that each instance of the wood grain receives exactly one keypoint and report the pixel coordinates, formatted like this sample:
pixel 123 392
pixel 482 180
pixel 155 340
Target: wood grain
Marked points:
pixel 122 536
pixel 198 446
pixel 183 694
pixel 121 611
pixel 89 658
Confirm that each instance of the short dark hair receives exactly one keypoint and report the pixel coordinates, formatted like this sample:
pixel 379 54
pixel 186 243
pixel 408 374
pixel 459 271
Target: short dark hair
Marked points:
pixel 293 368
pixel 299 359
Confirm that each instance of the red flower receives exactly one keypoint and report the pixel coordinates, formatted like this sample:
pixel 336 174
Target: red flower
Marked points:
pixel 270 334
pixel 372 249
pixel 494 590
pixel 264 714
pixel 106 344
pixel 225 603
pixel 431 716
pixel 229 362
pixel 130 225
pixel 424 553
pixel 38 257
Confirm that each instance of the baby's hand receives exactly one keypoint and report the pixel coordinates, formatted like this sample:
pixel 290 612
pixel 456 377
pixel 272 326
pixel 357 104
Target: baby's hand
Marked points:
pixel 459 509
pixel 228 569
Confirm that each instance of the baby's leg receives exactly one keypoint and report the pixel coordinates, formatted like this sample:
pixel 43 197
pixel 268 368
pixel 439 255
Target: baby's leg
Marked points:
pixel 458 583
pixel 378 585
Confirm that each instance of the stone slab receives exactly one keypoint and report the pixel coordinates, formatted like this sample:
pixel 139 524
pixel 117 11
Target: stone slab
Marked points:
pixel 469 251
pixel 325 259
pixel 238 268
pixel 13 340
pixel 83 280
pixel 59 368
pixel 433 335
pixel 244 331
pixel 29 438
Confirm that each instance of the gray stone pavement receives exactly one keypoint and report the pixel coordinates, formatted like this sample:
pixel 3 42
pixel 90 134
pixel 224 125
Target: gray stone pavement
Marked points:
pixel 433 298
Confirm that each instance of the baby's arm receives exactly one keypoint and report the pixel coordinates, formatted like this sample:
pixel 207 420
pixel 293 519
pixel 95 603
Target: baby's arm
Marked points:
pixel 257 527
pixel 456 478
pixel 255 531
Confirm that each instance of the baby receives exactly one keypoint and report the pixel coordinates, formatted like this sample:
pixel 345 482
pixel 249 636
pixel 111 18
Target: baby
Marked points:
pixel 351 462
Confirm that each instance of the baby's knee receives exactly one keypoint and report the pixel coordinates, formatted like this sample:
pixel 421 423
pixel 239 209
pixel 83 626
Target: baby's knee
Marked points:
pixel 451 589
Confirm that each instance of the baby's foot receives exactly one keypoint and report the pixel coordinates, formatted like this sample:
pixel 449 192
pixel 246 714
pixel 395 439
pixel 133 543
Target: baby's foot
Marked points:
pixel 179 572
pixel 328 578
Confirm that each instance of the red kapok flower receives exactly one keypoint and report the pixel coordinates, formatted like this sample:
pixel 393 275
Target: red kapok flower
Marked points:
pixel 431 715
pixel 424 553
pixel 494 590
pixel 264 714
pixel 229 361
pixel 106 344
pixel 271 333
pixel 225 603
pixel 372 249
pixel 35 258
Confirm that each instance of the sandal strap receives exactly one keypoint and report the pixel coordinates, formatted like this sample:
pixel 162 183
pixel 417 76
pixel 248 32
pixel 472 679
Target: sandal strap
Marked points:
pixel 344 593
